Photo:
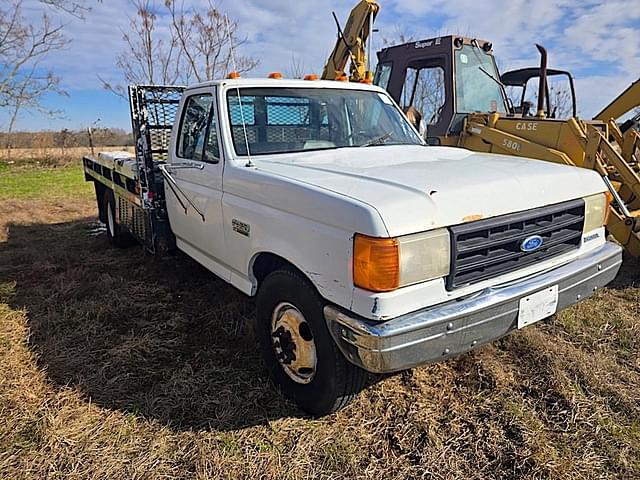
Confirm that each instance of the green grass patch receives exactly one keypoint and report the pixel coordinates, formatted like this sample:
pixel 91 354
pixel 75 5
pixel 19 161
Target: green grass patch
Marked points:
pixel 43 183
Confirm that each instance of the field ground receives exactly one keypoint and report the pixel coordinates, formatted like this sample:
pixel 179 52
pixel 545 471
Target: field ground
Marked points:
pixel 115 364
pixel 49 156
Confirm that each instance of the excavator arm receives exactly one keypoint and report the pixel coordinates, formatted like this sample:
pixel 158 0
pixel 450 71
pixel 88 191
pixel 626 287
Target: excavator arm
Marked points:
pixel 622 104
pixel 351 44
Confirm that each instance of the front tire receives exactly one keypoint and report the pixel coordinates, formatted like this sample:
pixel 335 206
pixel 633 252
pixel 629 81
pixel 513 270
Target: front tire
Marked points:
pixel 302 359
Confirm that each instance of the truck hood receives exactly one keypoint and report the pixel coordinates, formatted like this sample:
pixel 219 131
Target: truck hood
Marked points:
pixel 417 188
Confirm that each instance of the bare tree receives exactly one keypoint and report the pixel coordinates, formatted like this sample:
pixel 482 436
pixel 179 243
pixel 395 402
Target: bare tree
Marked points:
pixel 76 8
pixel 62 139
pixel 399 37
pixel 297 67
pixel 192 46
pixel 23 47
pixel 148 58
pixel 208 42
pixel 561 101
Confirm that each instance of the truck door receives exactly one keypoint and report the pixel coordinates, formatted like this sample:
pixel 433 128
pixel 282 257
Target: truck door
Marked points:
pixel 196 165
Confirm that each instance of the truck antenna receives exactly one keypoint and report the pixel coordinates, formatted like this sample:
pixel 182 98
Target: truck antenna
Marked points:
pixel 235 69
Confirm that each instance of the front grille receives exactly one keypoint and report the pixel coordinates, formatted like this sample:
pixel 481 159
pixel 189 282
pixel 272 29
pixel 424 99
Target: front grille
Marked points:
pixel 492 247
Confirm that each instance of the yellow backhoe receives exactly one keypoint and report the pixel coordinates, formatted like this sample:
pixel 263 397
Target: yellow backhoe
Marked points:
pixel 626 134
pixel 351 45
pixel 454 84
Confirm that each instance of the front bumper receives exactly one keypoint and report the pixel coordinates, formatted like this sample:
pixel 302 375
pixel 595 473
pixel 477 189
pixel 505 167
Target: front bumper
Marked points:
pixel 440 332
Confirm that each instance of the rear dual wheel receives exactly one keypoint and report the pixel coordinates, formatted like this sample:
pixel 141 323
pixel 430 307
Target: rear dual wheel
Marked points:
pixel 117 236
pixel 302 359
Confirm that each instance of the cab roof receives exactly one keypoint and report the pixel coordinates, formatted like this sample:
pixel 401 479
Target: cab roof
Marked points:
pixel 286 83
pixel 518 78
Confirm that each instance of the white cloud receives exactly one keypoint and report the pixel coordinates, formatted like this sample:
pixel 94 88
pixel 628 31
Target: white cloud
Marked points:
pixel 579 36
pixel 598 41
pixel 275 32
pixel 94 43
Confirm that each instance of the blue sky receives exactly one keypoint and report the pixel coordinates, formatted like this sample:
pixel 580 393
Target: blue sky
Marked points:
pixel 598 41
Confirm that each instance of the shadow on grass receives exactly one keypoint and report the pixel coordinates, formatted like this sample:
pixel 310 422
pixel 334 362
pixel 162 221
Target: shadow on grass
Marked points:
pixel 629 275
pixel 161 338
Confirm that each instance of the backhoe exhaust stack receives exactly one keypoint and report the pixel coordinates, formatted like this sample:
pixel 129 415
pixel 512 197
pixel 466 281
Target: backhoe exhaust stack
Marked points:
pixel 542 81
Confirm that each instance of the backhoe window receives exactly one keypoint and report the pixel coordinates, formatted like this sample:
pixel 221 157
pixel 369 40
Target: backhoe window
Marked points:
pixel 283 120
pixel 424 90
pixel 383 74
pixel 478 86
pixel 526 97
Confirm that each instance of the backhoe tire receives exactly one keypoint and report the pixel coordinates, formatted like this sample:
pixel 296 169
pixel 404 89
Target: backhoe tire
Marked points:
pixel 117 236
pixel 301 357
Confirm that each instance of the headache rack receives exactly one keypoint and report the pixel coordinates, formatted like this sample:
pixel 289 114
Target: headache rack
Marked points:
pixel 153 113
pixel 487 248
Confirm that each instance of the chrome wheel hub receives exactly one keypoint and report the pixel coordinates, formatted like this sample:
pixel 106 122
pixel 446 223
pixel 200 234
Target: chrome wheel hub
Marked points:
pixel 293 344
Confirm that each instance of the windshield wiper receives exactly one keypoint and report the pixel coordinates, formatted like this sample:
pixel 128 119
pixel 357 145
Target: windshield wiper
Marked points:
pixel 500 84
pixel 378 140
pixel 488 74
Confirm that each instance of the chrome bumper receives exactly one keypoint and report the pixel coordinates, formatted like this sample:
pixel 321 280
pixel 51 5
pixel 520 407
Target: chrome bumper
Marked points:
pixel 437 333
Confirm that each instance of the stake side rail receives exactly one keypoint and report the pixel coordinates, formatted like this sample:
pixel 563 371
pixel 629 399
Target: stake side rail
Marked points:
pixel 136 180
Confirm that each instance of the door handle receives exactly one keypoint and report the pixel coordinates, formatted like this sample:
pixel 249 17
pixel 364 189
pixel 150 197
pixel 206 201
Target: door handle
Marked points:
pixel 183 166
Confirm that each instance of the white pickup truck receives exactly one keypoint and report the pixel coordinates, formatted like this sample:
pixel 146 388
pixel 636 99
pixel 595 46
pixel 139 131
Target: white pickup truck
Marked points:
pixel 367 250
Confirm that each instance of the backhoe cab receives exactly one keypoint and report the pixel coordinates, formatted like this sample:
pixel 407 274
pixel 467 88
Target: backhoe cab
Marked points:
pixel 447 78
pixel 444 79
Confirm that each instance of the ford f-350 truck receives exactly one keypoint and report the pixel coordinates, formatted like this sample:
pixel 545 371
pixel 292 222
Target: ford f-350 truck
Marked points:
pixel 367 250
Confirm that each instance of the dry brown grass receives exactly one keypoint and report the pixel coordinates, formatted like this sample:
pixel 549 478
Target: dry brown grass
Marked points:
pixel 50 156
pixel 114 364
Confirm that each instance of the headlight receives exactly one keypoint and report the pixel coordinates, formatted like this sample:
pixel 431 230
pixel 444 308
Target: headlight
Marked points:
pixel 385 264
pixel 596 212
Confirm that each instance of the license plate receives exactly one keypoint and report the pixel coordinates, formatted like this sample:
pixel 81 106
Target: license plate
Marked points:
pixel 538 306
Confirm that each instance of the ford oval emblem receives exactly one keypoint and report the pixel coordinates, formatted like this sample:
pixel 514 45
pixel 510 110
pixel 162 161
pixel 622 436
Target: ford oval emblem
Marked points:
pixel 531 244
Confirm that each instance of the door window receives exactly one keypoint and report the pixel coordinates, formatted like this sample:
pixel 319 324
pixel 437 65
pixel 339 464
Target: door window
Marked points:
pixel 424 90
pixel 198 139
pixel 212 149
pixel 383 74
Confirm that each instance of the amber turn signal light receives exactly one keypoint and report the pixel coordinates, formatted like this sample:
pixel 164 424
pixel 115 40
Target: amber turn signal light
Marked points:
pixel 376 263
pixel 608 211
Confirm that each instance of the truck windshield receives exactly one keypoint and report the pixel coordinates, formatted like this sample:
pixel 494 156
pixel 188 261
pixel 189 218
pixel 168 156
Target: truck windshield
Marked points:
pixel 285 120
pixel 477 82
